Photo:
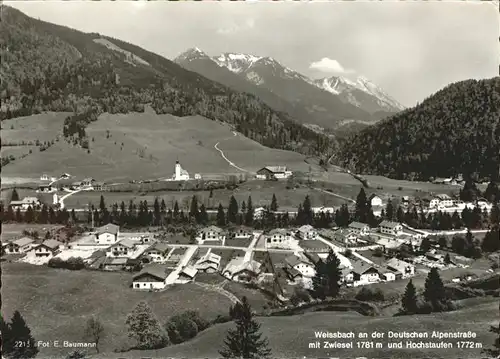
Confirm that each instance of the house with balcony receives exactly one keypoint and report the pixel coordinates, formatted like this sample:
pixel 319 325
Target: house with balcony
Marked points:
pixel 208 263
pixel 107 234
pixel 306 233
pixel 240 232
pixel 157 252
pixel 359 228
pixel 151 277
pixel 301 264
pixel 401 268
pixel 361 273
pixel 19 246
pixel 210 233
pixel 280 238
pixel 47 249
pixel 123 248
pixel 391 228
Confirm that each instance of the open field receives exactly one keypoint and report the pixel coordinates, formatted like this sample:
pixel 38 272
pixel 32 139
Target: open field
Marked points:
pixel 139 146
pixel 13 230
pixel 56 303
pixel 289 336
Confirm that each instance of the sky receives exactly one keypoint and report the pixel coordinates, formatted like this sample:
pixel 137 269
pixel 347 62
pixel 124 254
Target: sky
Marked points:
pixel 409 49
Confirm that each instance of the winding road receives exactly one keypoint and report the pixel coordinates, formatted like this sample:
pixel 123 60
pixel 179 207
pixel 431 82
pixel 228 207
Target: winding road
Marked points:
pixel 336 195
pixel 216 146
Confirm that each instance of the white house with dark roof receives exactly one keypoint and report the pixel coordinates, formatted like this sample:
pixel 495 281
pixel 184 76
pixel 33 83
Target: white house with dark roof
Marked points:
pixel 392 228
pixel 240 270
pixel 47 249
pixel 271 172
pixel 151 277
pixel 301 264
pixel 186 275
pixel 157 252
pixel 209 263
pixel 123 248
pixel 361 274
pixel 210 233
pixel 360 228
pixel 441 200
pixel 280 238
pixel 107 234
pixel 403 269
pixel 241 232
pixel 345 236
pixel 21 245
pixel 307 232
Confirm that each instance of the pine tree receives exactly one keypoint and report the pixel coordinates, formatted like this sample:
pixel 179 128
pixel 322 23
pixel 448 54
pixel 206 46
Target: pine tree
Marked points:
pixel 425 246
pixel 102 204
pixel 333 273
pixel 320 281
pixel 434 289
pixel 409 300
pixel 7 342
pixel 194 211
pixel 361 211
pixel 203 215
pixel 156 212
pixel 447 259
pixel 221 217
pixel 274 203
pixel 249 214
pixel 176 210
pixel 20 332
pixel 389 210
pixel 307 211
pixel 245 341
pixel 145 328
pixel 232 211
pixel 14 196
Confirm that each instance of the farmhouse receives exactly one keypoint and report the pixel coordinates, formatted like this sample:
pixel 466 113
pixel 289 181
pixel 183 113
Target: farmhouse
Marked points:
pixel 157 252
pixel 20 245
pixel 375 200
pixel 107 234
pixel 241 232
pixel 386 274
pixel 47 249
pixel 280 238
pixel 211 233
pixel 99 186
pixel 361 274
pixel 186 275
pixel 402 268
pixel 122 248
pixel 239 270
pixel 360 228
pixel 392 228
pixel 300 264
pixel 25 203
pixel 273 172
pixel 151 277
pixel 307 232
pixel 209 263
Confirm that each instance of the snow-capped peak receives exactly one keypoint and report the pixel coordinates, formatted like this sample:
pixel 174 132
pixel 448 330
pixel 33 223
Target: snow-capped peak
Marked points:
pixel 236 62
pixel 191 54
pixel 340 85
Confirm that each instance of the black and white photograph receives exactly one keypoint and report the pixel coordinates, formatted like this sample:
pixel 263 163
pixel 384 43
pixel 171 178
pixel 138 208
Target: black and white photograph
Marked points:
pixel 250 180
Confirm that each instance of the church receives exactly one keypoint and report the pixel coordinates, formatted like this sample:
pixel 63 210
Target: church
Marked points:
pixel 180 173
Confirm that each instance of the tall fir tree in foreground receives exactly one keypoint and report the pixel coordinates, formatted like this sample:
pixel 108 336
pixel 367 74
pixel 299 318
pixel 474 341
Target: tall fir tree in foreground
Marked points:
pixel 320 281
pixel 221 217
pixel 144 327
pixel 333 274
pixel 434 289
pixel 18 331
pixel 245 341
pixel 274 203
pixel 249 213
pixel 409 300
pixel 232 211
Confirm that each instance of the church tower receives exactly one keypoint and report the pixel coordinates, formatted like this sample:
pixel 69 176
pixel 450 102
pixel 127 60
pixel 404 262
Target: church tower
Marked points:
pixel 177 170
pixel 55 199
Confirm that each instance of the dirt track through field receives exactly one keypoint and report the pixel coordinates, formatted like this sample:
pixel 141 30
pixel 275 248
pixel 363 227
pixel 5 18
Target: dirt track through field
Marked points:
pixel 226 159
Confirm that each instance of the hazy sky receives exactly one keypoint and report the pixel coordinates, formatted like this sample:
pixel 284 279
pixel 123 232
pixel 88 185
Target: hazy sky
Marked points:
pixel 410 49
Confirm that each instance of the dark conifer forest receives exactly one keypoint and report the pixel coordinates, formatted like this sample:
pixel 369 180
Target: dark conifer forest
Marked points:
pixel 454 131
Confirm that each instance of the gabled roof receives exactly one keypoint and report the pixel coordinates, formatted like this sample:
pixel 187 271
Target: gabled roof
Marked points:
pixel 156 270
pixel 358 225
pixel 237 265
pixel 360 267
pixel 159 246
pixel 52 244
pixel 293 260
pixel 313 257
pixel 126 243
pixel 373 195
pixel 23 241
pixel 241 228
pixel 189 271
pixel 398 264
pixel 108 228
pixel 209 257
pixel 274 169
pixel 279 231
pixel 305 228
pixel 389 224
pixel 292 272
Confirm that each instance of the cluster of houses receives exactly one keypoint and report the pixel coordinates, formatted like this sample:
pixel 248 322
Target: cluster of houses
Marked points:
pixel 445 203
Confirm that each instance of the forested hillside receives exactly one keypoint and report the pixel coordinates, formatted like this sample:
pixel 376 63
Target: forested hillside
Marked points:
pixel 456 130
pixel 46 67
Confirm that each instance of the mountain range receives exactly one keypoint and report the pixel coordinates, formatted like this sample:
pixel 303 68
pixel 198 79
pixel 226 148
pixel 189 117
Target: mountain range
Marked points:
pixel 327 103
pixel 48 67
